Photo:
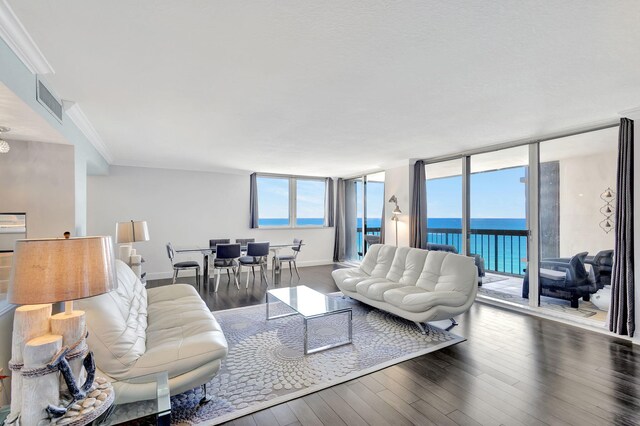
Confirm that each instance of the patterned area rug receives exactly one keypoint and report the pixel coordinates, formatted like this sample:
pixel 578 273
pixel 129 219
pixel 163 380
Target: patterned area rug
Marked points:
pixel 266 365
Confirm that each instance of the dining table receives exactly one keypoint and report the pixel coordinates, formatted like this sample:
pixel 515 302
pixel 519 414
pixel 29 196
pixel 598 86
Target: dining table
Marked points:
pixel 207 252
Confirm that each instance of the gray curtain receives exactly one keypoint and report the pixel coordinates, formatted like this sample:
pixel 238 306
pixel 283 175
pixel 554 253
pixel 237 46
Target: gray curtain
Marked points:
pixel 253 201
pixel 382 222
pixel 340 231
pixel 329 203
pixel 622 311
pixel 418 214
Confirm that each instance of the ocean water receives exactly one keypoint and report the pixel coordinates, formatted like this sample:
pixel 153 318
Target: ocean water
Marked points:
pixel 285 222
pixel 451 223
pixel 501 253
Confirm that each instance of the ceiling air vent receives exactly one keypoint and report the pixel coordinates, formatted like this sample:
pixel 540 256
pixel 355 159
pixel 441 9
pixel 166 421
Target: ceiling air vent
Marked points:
pixel 48 100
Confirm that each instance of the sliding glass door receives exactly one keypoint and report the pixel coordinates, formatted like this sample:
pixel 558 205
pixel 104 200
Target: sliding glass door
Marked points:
pixel 577 221
pixel 444 204
pixel 354 218
pixel 539 220
pixel 364 202
pixel 499 228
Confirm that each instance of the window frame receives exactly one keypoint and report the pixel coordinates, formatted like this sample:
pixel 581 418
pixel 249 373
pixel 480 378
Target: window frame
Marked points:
pixel 293 200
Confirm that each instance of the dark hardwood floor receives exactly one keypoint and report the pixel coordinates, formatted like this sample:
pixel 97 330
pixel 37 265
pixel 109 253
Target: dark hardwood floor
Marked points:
pixel 514 369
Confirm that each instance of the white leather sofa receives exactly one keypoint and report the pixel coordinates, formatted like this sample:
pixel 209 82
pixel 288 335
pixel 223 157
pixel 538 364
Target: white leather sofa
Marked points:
pixel 135 331
pixel 419 285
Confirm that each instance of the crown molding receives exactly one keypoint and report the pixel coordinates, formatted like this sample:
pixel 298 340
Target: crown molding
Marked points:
pixel 18 39
pixel 633 113
pixel 75 113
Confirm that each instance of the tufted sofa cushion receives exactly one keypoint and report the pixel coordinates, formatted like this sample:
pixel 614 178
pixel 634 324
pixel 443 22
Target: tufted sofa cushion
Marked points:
pixel 117 322
pixel 419 285
pixel 134 331
pixel 407 265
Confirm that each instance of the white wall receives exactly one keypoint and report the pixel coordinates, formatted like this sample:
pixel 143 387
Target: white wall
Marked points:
pixel 38 178
pixel 397 182
pixel 582 180
pixel 187 209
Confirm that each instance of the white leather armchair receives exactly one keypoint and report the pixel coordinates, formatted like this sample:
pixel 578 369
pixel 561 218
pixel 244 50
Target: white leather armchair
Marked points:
pixel 418 285
pixel 134 331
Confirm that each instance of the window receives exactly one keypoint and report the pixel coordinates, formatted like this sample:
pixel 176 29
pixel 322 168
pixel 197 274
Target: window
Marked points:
pixel 310 202
pixel 273 201
pixel 289 201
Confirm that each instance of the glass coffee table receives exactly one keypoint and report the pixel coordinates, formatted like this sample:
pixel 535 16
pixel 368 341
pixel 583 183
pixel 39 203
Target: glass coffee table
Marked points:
pixel 153 411
pixel 311 304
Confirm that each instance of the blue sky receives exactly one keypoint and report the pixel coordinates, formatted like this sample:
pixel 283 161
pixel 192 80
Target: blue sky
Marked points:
pixel 494 194
pixel 273 198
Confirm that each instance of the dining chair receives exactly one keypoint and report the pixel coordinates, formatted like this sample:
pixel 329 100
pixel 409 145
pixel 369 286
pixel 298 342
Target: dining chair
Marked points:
pixel 291 258
pixel 213 243
pixel 182 266
pixel 227 256
pixel 243 242
pixel 257 254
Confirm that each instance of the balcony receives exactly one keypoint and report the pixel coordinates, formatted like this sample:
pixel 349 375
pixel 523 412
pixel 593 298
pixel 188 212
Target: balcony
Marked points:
pixel 504 250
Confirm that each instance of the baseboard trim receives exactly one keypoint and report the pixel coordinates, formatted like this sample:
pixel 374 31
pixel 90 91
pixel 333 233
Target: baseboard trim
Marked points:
pixel 191 273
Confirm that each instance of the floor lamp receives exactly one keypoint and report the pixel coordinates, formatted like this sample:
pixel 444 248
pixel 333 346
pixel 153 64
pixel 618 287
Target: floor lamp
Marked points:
pixel 396 212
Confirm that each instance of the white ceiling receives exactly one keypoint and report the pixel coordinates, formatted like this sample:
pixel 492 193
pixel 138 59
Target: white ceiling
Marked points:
pixel 333 87
pixel 25 123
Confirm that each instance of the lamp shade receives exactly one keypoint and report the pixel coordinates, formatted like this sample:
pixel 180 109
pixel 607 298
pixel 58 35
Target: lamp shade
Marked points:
pixel 60 270
pixel 396 211
pixel 132 231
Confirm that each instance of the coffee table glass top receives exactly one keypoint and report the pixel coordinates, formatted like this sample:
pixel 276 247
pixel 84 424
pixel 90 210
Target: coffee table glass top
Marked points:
pixel 308 302
pixel 155 410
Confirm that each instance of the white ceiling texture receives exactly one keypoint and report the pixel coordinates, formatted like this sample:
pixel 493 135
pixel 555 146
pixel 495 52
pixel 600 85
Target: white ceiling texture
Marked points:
pixel 333 87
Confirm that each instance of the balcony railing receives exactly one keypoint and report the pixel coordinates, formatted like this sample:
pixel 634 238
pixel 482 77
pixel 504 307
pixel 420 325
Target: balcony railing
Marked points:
pixel 503 250
pixel 370 231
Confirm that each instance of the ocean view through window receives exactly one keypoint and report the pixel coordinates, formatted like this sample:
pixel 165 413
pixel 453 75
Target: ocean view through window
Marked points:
pixel 497 225
pixel 291 201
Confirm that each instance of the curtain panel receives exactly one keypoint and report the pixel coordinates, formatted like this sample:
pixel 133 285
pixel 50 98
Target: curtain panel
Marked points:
pixel 418 214
pixel 340 218
pixel 329 203
pixel 622 311
pixel 253 201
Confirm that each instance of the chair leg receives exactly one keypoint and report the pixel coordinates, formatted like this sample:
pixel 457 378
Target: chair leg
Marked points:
pixel 175 275
pixel 205 398
pixel 295 265
pixel 247 283
pixel 217 280
pixel 198 278
pixel 263 270
pixel 290 270
pixel 422 328
pixel 235 277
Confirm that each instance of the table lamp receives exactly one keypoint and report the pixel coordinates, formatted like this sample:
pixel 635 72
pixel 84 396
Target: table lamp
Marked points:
pixel 47 271
pixel 126 234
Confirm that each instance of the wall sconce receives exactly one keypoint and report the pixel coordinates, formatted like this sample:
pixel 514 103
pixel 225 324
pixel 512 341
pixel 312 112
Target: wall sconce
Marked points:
pixel 396 211
pixel 608 196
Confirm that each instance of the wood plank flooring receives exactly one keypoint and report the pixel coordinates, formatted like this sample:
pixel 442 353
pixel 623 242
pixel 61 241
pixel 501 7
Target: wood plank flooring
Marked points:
pixel 514 369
